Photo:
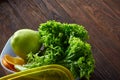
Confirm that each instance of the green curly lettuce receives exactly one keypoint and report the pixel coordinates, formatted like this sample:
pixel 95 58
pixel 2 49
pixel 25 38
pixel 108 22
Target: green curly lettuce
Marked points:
pixel 64 44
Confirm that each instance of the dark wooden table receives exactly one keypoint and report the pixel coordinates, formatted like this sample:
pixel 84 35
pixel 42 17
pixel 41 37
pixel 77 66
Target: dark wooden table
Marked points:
pixel 100 17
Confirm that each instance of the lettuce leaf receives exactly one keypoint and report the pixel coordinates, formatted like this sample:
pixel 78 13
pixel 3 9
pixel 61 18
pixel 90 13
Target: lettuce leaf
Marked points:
pixel 64 44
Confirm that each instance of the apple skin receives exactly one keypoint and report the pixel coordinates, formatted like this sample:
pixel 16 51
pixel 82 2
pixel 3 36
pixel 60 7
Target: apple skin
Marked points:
pixel 25 41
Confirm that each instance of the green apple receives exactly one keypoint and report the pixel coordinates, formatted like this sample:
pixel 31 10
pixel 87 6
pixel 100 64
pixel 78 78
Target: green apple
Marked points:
pixel 25 41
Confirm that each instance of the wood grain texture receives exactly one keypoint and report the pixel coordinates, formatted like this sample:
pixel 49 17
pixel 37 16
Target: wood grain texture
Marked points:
pixel 100 17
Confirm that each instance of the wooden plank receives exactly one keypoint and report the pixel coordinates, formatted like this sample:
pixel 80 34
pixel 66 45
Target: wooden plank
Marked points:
pixel 10 21
pixel 100 24
pixel 101 19
pixel 35 12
